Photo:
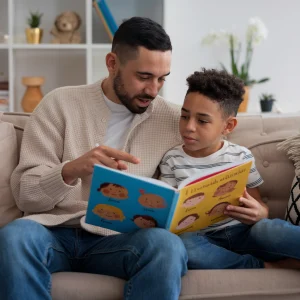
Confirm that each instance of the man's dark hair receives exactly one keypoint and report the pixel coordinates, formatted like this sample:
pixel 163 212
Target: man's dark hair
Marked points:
pixel 225 89
pixel 139 32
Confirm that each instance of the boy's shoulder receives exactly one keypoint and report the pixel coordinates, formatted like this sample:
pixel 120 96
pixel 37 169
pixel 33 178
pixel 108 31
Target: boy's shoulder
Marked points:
pixel 236 150
pixel 173 152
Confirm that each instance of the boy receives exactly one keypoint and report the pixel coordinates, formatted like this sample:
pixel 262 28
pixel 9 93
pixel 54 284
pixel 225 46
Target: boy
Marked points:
pixel 247 239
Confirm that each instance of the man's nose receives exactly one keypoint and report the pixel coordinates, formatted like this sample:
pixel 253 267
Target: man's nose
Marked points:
pixel 152 89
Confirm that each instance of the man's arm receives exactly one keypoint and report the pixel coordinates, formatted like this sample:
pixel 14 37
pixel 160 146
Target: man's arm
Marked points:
pixel 42 179
pixel 37 183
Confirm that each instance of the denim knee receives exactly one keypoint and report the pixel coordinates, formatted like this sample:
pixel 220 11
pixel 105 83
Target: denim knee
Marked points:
pixel 18 233
pixel 162 243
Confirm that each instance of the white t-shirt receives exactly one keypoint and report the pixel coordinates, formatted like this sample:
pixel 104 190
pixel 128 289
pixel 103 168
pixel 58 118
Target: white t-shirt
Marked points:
pixel 118 124
pixel 176 166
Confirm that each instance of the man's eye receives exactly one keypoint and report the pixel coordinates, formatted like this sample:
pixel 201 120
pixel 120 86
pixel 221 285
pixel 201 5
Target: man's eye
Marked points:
pixel 162 79
pixel 143 78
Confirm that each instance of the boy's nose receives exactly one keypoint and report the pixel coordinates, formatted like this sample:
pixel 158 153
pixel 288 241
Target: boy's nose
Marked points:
pixel 191 126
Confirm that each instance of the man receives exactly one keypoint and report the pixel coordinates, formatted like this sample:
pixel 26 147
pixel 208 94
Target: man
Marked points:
pixel 134 128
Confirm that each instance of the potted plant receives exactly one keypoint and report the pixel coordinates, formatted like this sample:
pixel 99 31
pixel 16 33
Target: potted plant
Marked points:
pixel 266 102
pixel 34 34
pixel 256 33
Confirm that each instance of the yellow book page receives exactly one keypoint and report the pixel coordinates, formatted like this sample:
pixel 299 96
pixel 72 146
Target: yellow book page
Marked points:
pixel 202 203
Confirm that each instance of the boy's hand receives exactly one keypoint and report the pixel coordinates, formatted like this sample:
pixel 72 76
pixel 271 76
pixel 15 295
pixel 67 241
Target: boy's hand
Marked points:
pixel 250 211
pixel 103 155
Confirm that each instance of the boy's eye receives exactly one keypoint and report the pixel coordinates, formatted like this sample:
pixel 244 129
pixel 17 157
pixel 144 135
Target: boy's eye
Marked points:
pixel 184 117
pixel 202 121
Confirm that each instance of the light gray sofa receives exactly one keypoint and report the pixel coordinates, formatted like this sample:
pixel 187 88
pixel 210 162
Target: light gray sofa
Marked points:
pixel 261 134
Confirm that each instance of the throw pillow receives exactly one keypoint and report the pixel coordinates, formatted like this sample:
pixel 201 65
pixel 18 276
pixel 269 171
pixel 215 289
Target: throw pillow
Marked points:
pixel 291 147
pixel 8 161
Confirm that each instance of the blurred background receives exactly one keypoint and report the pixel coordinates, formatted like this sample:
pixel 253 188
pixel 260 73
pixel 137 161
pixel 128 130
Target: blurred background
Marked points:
pixel 200 32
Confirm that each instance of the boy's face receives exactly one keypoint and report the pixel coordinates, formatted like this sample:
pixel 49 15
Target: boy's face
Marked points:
pixel 202 125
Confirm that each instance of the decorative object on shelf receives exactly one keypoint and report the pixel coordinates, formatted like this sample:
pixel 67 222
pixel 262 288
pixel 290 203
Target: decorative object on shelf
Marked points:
pixel 33 94
pixel 106 17
pixel 34 34
pixel 66 28
pixel 266 102
pixel 3 38
pixel 256 33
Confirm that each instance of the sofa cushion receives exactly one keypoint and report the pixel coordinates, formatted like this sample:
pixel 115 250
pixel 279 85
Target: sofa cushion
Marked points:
pixel 9 160
pixel 291 147
pixel 293 208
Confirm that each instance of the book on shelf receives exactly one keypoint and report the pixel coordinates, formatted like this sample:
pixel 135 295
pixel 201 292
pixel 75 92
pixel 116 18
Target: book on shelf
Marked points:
pixel 106 17
pixel 124 202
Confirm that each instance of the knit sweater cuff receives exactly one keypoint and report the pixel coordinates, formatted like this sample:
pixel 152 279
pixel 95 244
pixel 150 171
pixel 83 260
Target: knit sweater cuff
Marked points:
pixel 53 185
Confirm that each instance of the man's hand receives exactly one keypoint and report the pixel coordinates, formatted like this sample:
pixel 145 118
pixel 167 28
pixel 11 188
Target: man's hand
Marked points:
pixel 251 210
pixel 103 155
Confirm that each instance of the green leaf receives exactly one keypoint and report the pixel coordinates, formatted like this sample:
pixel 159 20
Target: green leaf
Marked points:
pixel 223 67
pixel 263 80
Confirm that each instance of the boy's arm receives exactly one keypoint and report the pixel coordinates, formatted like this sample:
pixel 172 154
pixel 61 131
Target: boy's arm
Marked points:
pixel 251 210
pixel 166 173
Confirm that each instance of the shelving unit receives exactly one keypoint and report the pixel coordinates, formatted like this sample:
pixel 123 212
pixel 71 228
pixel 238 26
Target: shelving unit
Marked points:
pixel 61 65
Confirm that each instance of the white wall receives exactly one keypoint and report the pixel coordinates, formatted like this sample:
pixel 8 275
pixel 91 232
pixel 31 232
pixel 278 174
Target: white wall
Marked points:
pixel 278 57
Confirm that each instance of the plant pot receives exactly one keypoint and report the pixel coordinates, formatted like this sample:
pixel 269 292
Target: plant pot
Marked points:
pixel 266 105
pixel 34 35
pixel 243 106
pixel 33 94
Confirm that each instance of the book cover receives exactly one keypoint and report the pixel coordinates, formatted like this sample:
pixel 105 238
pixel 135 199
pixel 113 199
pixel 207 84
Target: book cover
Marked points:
pixel 106 17
pixel 124 202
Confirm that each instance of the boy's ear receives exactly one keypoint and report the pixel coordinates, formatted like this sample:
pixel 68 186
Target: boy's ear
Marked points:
pixel 230 125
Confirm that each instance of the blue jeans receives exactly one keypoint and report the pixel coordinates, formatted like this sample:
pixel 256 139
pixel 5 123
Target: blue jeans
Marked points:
pixel 242 246
pixel 152 261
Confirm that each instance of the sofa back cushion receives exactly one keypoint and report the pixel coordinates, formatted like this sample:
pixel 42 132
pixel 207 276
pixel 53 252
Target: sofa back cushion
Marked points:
pixel 9 160
pixel 261 134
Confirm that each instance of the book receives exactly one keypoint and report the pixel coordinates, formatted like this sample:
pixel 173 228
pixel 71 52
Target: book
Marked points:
pixel 106 17
pixel 125 202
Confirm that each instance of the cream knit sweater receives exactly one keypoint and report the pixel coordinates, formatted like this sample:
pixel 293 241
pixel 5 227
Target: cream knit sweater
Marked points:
pixel 68 123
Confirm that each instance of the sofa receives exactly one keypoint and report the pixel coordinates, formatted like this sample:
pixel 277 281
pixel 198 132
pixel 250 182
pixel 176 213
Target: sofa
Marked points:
pixel 261 134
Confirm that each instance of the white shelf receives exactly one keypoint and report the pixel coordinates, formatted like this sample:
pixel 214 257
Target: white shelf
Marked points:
pixel 61 64
pixel 49 46
pixel 101 46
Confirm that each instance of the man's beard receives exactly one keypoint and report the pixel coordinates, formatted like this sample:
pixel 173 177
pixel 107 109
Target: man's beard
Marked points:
pixel 125 99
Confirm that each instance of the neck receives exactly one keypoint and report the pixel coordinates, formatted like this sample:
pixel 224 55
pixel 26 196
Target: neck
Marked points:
pixel 108 90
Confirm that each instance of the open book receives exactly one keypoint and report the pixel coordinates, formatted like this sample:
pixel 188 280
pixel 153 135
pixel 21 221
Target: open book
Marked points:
pixel 124 202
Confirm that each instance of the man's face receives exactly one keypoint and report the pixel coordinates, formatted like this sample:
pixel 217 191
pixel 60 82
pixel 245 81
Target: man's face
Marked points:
pixel 139 80
pixel 201 125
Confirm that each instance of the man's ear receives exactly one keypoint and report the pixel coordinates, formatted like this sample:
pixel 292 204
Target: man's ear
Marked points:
pixel 112 63
pixel 230 125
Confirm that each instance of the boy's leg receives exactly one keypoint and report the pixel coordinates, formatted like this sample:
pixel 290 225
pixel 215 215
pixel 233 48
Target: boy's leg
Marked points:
pixel 152 261
pixel 211 251
pixel 29 253
pixel 270 240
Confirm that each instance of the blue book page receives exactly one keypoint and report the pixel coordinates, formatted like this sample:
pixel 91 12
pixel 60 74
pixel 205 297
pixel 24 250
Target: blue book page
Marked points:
pixel 123 202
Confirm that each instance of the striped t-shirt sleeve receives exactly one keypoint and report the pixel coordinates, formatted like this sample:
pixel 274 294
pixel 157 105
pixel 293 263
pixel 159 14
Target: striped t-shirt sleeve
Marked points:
pixel 167 174
pixel 254 179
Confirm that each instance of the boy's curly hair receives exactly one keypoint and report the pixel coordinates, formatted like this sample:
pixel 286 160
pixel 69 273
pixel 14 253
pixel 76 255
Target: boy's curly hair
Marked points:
pixel 225 89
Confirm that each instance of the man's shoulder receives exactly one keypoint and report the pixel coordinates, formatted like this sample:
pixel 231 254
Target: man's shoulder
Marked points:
pixel 164 108
pixel 69 96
